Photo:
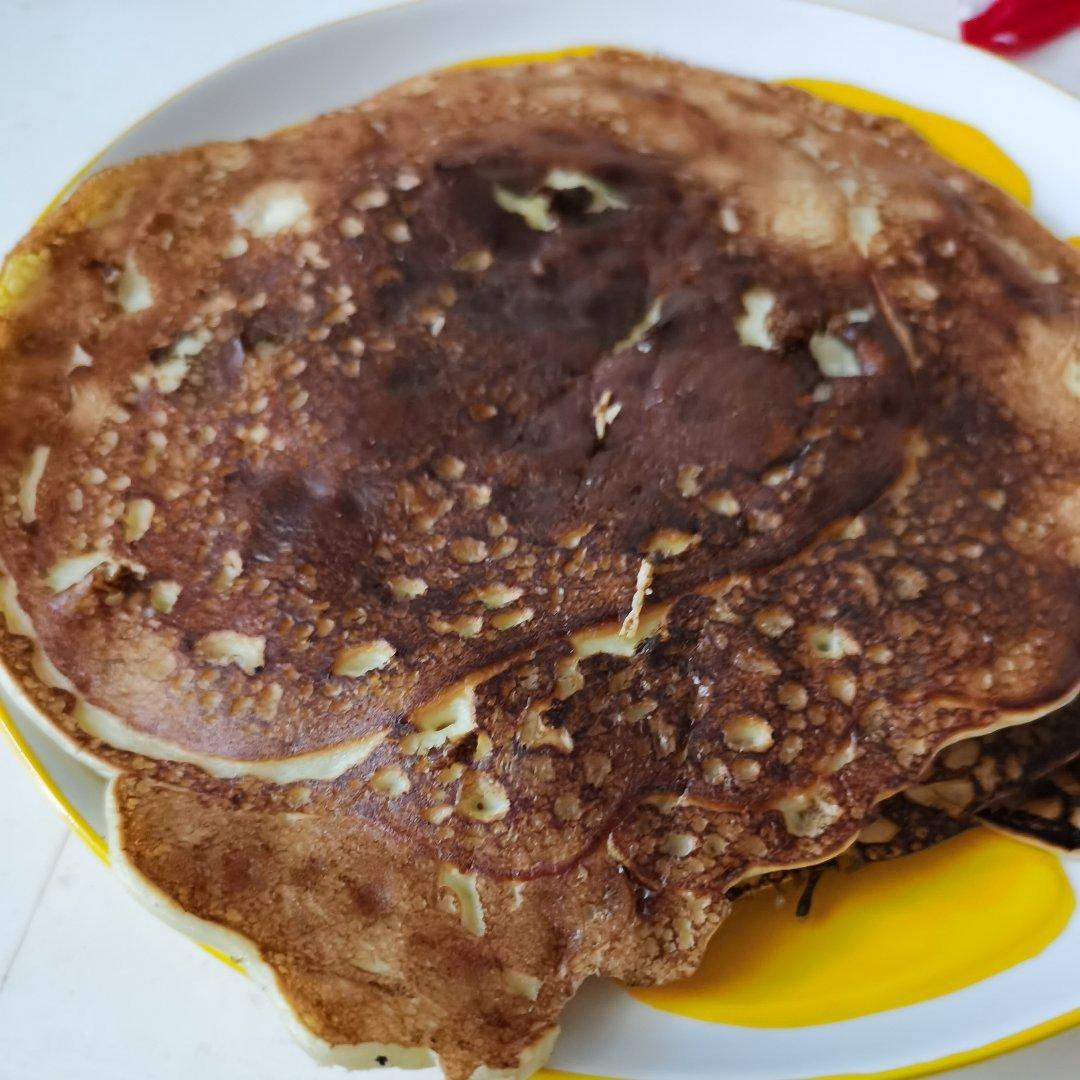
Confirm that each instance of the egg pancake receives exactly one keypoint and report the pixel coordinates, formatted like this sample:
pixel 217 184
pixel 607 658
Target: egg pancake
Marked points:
pixel 479 529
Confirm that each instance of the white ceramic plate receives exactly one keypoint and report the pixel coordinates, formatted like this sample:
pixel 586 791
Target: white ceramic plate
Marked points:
pixel 607 1032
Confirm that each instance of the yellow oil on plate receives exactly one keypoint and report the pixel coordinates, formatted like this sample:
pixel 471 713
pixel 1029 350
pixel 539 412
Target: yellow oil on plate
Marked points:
pixel 922 926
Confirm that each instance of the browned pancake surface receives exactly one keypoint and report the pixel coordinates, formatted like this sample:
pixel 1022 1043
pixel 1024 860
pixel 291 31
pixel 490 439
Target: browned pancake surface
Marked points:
pixel 352 437
pixel 411 418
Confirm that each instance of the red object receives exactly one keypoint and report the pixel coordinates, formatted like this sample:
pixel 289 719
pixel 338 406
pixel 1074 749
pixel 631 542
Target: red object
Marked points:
pixel 1014 26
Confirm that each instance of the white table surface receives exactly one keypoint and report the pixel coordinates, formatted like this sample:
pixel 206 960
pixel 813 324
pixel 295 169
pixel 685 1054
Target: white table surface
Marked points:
pixel 91 986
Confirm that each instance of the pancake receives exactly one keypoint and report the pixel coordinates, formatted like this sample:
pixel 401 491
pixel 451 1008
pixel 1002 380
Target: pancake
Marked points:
pixel 216 507
pixel 369 949
pixel 389 959
pixel 1020 780
pixel 1045 813
pixel 968 783
pixel 545 498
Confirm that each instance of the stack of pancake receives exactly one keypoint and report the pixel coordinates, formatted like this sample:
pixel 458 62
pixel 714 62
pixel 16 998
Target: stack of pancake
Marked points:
pixel 483 531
